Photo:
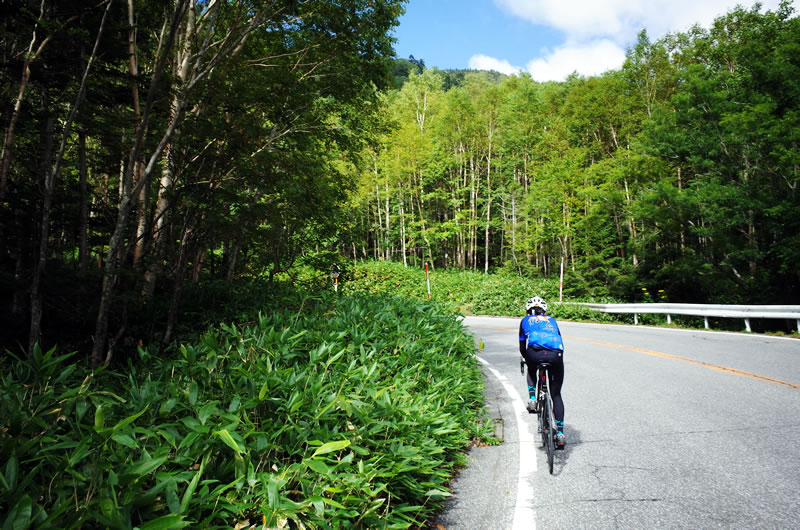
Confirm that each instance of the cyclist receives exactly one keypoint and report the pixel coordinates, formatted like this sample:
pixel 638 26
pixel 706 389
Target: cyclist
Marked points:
pixel 540 341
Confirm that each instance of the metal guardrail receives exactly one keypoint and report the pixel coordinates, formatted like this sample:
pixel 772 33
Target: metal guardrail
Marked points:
pixel 746 312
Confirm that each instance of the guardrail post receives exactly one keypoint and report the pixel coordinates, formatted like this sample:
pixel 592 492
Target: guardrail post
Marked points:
pixel 635 319
pixel 669 319
pixel 705 319
pixel 798 325
pixel 747 324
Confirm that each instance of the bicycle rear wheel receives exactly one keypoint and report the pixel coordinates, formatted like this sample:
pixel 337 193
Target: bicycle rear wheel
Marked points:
pixel 540 424
pixel 548 433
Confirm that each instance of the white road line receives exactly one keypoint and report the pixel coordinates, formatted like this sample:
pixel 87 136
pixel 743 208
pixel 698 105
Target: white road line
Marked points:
pixel 524 514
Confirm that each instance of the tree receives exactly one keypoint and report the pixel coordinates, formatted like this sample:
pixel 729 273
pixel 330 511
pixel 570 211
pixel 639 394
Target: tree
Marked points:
pixel 205 126
pixel 729 129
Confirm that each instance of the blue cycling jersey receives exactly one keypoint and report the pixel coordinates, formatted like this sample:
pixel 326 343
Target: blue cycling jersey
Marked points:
pixel 541 331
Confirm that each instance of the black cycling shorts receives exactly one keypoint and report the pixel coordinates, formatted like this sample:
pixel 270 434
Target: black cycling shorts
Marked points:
pixel 534 356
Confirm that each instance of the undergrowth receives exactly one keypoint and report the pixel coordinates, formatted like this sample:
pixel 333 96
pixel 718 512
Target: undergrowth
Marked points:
pixel 351 412
pixel 462 291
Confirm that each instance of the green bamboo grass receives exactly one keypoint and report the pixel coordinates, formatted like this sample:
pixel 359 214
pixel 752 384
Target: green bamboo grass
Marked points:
pixel 465 292
pixel 351 413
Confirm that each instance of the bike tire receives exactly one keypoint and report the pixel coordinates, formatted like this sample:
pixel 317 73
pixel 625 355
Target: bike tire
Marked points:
pixel 541 418
pixel 549 435
pixel 541 421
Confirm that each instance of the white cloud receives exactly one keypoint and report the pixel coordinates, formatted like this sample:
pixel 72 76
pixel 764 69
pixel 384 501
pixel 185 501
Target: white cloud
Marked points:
pixel 621 20
pixel 484 62
pixel 590 58
pixel 596 33
pixel 587 58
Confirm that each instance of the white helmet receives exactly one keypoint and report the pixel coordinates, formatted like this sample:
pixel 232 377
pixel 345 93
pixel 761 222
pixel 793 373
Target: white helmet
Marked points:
pixel 535 302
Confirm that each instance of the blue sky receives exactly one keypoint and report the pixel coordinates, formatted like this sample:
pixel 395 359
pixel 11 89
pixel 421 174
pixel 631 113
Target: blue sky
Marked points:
pixel 547 38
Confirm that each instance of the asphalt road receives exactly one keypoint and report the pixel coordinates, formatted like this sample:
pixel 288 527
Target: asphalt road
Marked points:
pixel 665 429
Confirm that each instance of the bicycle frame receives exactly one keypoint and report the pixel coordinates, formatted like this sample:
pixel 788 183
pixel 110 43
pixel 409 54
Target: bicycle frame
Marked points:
pixel 542 383
pixel 546 419
pixel 547 422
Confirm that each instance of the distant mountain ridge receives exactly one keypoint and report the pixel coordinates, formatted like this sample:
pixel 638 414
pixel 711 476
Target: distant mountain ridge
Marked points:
pixel 453 77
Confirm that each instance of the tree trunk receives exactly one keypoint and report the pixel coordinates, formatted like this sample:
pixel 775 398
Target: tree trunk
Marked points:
pixel 379 241
pixel 683 232
pixel 8 138
pixel 197 267
pixel 189 69
pixel 420 209
pixel 514 233
pixel 48 121
pixel 488 206
pixel 473 215
pixel 177 285
pixel 504 216
pixel 83 249
pixel 403 232
pixel 50 176
pixel 388 231
pixel 138 170
pixel 630 221
pixel 116 242
pixel 161 213
pixel 231 269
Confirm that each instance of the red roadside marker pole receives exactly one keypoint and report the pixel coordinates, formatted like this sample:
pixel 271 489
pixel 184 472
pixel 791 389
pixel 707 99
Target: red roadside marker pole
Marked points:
pixel 428 281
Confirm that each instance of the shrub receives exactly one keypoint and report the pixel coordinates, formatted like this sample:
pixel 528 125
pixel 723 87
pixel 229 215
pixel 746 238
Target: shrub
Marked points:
pixel 349 412
pixel 468 292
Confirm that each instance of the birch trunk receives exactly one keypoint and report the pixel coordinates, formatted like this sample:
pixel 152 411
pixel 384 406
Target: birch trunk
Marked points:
pixel 138 170
pixel 388 232
pixel 403 232
pixel 190 67
pixel 488 205
pixel 473 215
pixel 115 244
pixel 167 184
pixel 629 220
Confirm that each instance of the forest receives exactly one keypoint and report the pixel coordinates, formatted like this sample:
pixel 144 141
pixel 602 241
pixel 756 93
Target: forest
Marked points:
pixel 149 145
pixel 678 172
pixel 159 158
pixel 178 181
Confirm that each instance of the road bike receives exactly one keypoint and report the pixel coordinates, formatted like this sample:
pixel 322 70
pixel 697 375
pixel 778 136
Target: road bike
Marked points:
pixel 544 402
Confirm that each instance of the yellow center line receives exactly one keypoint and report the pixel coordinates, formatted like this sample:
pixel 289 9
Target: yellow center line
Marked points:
pixel 695 362
pixel 710 366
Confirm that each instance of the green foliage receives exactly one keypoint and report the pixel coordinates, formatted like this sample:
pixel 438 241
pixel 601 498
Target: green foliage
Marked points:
pixel 467 292
pixel 678 169
pixel 255 110
pixel 403 68
pixel 349 412
pixel 726 131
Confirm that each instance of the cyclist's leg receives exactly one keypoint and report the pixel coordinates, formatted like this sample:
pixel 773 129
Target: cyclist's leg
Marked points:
pixel 556 380
pixel 531 382
pixel 530 361
pixel 531 406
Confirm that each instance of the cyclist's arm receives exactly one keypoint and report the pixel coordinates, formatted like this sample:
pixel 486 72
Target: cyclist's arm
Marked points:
pixel 523 341
pixel 555 323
